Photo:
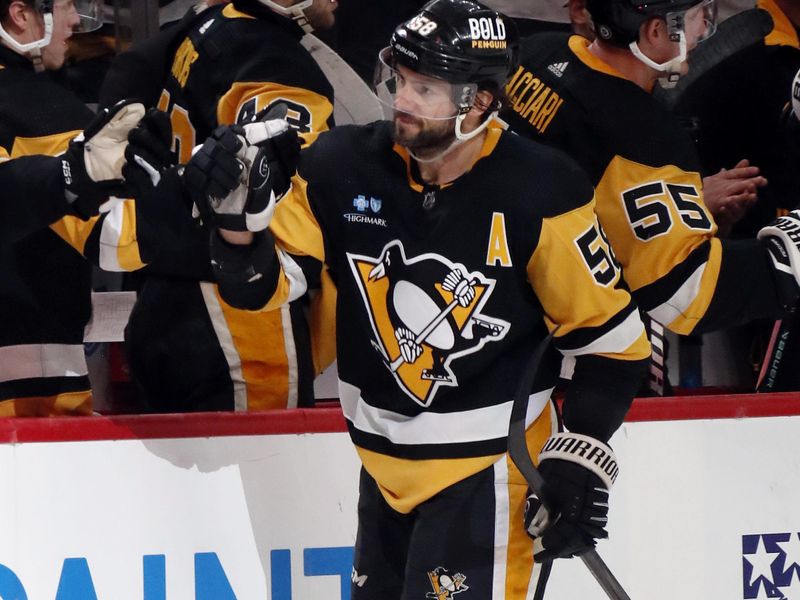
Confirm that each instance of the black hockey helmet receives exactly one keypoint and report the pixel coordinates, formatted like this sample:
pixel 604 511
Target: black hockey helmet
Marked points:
pixel 460 41
pixel 618 21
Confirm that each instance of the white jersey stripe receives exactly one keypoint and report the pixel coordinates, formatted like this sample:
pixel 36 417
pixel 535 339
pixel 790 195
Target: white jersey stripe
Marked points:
pixel 480 424
pixel 679 302
pixel 31 361
pixel 618 339
pixel 502 515
pixel 226 343
pixel 110 234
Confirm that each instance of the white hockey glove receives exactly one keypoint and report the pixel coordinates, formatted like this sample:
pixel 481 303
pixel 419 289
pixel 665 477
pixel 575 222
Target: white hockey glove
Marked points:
pixel 267 156
pixel 578 471
pixel 92 164
pixel 782 238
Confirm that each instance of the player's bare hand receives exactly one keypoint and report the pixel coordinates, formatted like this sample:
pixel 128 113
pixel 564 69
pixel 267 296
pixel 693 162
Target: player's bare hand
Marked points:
pixel 730 193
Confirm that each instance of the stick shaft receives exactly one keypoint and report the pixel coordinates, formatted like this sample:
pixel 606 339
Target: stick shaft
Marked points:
pixel 520 456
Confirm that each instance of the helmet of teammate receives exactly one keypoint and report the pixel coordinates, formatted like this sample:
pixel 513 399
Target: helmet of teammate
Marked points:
pixel 459 42
pixel 89 11
pixel 296 11
pixel 619 22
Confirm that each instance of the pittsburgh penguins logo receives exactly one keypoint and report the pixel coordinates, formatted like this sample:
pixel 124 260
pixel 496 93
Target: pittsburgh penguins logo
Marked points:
pixel 445 585
pixel 425 312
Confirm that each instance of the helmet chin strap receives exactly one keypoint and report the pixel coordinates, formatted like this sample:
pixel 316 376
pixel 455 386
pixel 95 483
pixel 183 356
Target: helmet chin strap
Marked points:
pixel 296 12
pixel 461 137
pixel 671 68
pixel 32 50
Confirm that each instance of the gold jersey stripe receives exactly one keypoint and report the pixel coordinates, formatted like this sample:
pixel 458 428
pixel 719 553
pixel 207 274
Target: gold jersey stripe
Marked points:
pixel 50 145
pixel 67 404
pixel 230 12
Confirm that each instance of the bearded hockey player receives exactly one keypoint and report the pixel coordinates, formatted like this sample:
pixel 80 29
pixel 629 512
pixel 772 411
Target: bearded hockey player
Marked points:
pixel 236 61
pixel 593 100
pixel 456 248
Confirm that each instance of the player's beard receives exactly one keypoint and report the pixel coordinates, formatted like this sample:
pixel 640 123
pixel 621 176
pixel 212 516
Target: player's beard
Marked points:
pixel 423 137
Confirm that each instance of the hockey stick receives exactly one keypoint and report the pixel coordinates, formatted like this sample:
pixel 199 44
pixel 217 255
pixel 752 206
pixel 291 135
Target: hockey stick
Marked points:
pixel 776 350
pixel 518 451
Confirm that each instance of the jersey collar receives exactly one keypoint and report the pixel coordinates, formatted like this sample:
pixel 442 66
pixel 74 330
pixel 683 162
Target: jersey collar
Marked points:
pixel 493 132
pixel 580 48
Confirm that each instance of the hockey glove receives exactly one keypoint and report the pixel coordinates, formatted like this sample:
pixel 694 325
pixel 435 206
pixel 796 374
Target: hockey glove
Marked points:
pixel 267 159
pixel 782 238
pixel 215 170
pixel 578 472
pixel 149 152
pixel 92 165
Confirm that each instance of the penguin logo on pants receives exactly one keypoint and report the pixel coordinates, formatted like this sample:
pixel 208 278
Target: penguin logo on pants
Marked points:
pixel 425 312
pixel 445 585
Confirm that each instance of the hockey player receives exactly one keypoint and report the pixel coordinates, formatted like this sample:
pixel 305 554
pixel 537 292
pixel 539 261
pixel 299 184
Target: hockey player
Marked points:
pixel 140 71
pixel 235 62
pixel 593 100
pixel 45 287
pixel 455 248
pixel 764 43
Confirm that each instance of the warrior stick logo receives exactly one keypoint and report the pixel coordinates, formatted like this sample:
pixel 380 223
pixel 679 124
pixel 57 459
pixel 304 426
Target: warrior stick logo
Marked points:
pixel 425 312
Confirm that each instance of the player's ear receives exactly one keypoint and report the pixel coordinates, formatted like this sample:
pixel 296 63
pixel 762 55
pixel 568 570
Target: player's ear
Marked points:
pixel 652 30
pixel 18 17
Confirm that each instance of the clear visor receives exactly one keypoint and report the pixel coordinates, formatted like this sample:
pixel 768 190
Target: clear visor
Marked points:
pixel 400 89
pixel 91 15
pixel 698 23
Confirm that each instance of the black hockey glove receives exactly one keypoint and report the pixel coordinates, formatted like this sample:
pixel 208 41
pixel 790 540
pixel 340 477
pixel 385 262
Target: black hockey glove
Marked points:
pixel 92 165
pixel 267 159
pixel 149 153
pixel 578 472
pixel 782 239
pixel 215 169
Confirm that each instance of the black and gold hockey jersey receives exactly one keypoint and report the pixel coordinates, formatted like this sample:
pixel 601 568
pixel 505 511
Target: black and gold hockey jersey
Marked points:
pixel 646 173
pixel 235 62
pixel 445 292
pixel 45 285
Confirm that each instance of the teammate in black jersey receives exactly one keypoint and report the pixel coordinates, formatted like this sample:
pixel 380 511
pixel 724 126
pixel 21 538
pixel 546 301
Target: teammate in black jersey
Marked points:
pixel 593 100
pixel 228 64
pixel 455 248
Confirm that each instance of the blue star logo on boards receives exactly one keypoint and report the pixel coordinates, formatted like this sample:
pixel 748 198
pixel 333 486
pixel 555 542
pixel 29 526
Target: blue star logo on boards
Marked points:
pixel 771 566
